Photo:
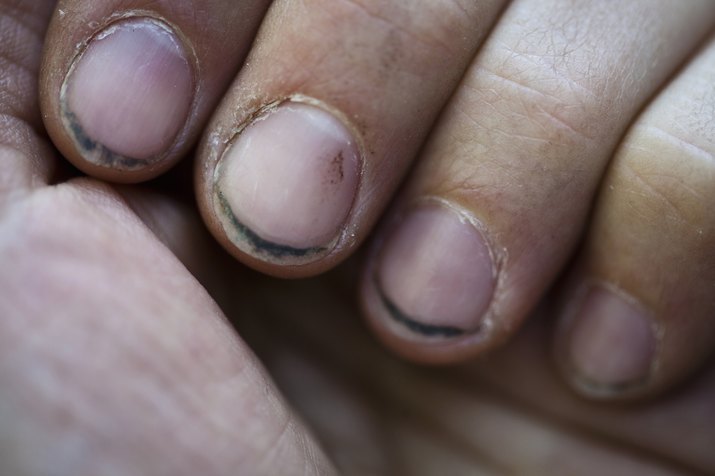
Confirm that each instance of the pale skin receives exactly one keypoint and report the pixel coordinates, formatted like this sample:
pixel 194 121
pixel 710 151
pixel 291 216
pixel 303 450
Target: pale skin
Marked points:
pixel 578 129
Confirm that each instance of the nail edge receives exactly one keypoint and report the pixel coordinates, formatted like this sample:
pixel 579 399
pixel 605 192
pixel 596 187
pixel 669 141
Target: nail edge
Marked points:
pixel 260 245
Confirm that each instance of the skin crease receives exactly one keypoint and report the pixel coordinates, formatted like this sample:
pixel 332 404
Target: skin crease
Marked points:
pixel 116 356
pixel 523 144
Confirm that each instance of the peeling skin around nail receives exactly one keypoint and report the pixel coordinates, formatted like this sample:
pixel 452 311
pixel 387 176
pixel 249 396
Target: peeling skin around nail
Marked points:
pixel 413 325
pixel 259 245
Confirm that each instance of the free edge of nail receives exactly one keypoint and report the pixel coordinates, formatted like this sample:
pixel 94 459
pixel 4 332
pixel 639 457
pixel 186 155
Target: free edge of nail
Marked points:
pixel 259 245
pixel 413 325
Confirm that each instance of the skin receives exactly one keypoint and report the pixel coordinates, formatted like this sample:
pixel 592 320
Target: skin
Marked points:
pixel 202 24
pixel 528 129
pixel 117 355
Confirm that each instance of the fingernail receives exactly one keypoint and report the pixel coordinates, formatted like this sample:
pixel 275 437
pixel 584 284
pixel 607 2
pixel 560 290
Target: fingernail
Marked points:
pixel 435 274
pixel 286 185
pixel 611 344
pixel 128 95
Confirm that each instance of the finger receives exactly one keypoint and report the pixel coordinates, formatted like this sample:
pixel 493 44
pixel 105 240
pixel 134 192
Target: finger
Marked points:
pixel 321 124
pixel 25 159
pixel 640 304
pixel 112 358
pixel 523 372
pixel 115 359
pixel 127 85
pixel 503 188
pixel 507 414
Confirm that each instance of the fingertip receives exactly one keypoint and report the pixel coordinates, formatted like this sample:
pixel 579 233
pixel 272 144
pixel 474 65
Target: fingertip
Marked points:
pixel 281 193
pixel 125 100
pixel 430 283
pixel 126 87
pixel 286 184
pixel 606 343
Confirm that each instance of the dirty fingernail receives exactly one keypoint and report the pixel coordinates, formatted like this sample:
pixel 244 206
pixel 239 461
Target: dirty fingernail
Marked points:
pixel 285 187
pixel 611 344
pixel 128 95
pixel 435 274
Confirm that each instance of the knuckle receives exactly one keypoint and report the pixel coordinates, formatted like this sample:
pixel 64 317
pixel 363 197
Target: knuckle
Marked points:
pixel 668 176
pixel 540 104
pixel 429 24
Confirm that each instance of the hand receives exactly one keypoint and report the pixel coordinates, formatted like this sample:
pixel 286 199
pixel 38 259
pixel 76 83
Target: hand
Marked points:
pixel 116 357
